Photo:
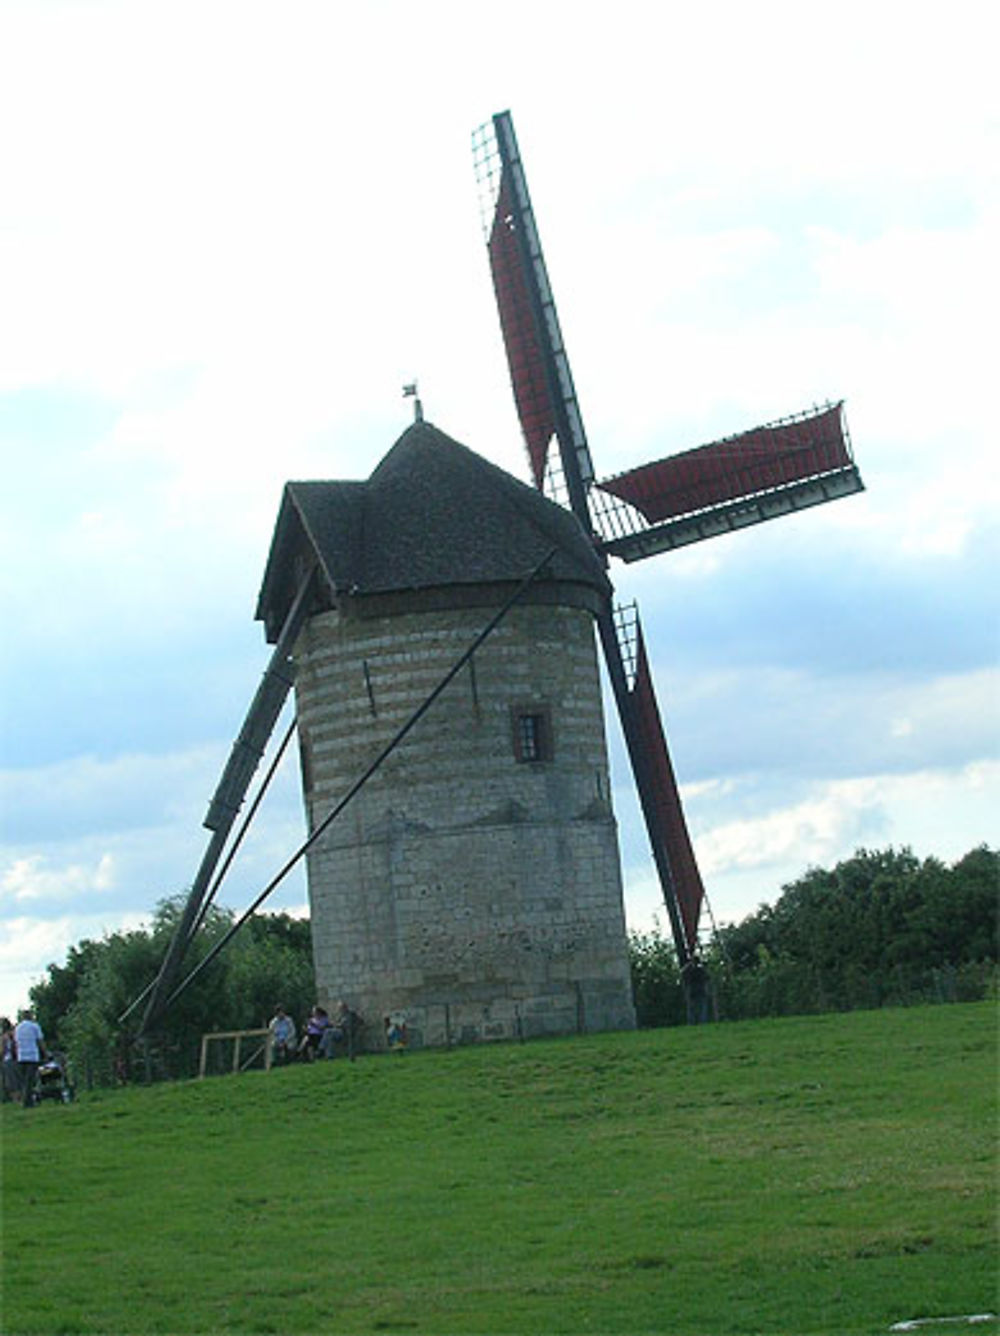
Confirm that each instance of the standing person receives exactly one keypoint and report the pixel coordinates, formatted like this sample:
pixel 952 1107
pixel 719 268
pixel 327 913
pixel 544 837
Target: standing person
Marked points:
pixel 30 1051
pixel 11 1083
pixel 282 1029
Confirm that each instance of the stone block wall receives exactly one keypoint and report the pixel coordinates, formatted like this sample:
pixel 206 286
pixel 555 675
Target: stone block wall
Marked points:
pixel 474 892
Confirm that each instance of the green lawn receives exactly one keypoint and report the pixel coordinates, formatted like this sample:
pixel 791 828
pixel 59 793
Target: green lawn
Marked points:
pixel 831 1174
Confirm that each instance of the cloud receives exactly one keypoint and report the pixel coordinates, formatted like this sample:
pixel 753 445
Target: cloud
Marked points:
pixel 843 813
pixel 129 833
pixel 749 847
pixel 807 593
pixel 30 878
pixel 748 719
pixel 837 817
pixel 29 944
pixel 103 795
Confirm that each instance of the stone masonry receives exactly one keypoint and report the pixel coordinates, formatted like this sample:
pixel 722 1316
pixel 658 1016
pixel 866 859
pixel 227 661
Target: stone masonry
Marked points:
pixel 475 893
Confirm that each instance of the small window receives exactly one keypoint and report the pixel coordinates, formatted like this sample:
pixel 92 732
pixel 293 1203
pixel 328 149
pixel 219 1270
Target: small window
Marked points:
pixel 529 737
pixel 532 733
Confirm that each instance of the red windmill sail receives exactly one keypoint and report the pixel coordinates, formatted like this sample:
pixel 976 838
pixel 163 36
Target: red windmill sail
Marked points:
pixel 524 354
pixel 665 798
pixel 739 466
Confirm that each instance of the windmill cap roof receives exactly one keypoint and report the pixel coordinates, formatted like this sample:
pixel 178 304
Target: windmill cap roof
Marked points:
pixel 433 514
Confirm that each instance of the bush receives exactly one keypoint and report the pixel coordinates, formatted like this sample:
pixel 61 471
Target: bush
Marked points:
pixel 879 929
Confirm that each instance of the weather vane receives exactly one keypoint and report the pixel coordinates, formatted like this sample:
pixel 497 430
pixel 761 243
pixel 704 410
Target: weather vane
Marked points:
pixel 410 391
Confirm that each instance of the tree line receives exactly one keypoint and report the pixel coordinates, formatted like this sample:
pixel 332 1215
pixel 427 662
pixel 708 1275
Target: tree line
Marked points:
pixel 881 928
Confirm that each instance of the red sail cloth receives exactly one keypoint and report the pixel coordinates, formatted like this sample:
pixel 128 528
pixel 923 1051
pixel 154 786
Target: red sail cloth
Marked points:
pixel 520 336
pixel 687 884
pixel 754 461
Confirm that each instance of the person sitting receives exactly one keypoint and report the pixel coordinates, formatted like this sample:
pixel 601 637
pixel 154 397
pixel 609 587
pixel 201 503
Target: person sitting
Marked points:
pixel 282 1029
pixel 395 1033
pixel 316 1027
pixel 343 1032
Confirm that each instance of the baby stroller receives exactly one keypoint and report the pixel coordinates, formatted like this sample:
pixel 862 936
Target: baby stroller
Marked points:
pixel 53 1081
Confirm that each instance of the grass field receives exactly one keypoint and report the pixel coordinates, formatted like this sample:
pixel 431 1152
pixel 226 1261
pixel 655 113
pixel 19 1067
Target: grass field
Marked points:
pixel 832 1174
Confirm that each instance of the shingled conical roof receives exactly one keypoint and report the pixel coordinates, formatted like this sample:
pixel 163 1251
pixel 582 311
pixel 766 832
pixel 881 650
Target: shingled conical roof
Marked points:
pixel 433 514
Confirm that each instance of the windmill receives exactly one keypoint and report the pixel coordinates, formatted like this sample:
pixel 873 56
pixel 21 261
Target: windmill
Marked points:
pixel 757 475
pixel 328 555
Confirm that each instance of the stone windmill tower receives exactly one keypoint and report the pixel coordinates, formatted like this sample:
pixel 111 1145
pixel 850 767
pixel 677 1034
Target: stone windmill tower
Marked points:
pixel 474 883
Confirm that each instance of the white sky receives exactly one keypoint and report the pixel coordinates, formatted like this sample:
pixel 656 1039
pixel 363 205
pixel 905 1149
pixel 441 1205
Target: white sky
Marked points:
pixel 229 233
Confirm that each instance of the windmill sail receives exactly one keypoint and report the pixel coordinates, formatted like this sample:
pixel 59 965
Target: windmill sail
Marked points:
pixel 524 352
pixel 744 479
pixel 661 788
pixel 659 797
pixel 539 367
pixel 759 460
